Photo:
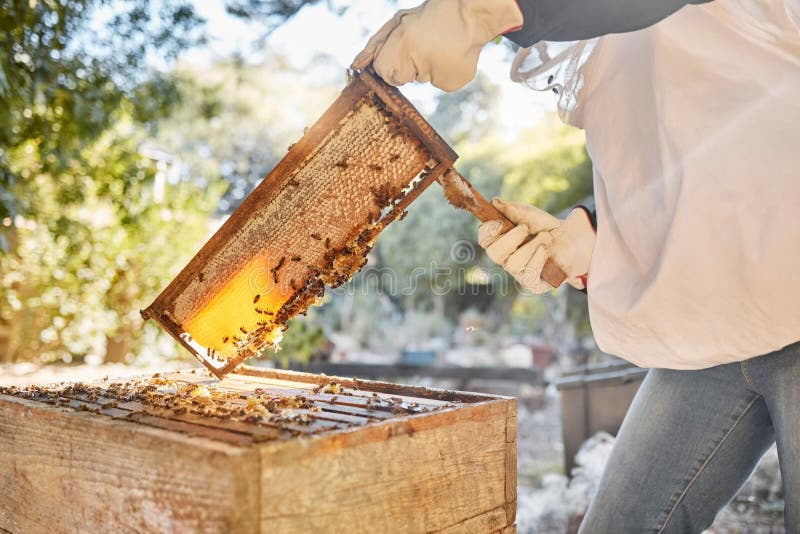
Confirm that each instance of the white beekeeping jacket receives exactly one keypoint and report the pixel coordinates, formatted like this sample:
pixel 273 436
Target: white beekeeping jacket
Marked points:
pixel 693 127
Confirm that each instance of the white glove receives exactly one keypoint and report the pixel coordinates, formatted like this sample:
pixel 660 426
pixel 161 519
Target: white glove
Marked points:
pixel 569 243
pixel 438 41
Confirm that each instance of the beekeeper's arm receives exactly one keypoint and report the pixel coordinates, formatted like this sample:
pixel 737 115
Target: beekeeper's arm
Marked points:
pixel 439 41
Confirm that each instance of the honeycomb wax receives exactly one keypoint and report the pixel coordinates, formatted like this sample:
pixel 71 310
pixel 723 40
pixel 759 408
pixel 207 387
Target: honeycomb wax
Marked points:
pixel 246 303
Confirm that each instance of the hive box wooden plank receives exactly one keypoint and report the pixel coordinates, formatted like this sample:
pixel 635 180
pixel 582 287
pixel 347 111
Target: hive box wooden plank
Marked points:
pixel 368 457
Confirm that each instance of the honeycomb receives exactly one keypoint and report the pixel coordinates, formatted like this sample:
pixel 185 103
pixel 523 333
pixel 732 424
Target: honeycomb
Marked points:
pixel 311 227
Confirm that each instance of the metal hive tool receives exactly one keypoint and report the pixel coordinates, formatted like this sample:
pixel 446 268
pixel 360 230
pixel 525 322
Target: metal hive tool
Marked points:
pixel 310 224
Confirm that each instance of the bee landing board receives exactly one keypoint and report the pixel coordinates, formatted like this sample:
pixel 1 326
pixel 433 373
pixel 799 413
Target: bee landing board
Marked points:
pixel 308 225
pixel 260 451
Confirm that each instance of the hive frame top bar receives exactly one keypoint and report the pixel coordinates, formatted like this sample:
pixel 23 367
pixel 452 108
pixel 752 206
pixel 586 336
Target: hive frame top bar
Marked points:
pixel 360 85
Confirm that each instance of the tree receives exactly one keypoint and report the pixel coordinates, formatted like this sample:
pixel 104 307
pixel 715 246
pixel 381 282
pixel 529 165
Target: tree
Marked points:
pixel 236 120
pixel 87 241
pixel 64 74
pixel 273 13
pixel 79 272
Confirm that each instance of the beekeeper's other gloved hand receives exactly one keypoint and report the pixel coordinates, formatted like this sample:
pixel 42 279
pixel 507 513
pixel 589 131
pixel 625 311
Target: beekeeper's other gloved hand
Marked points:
pixel 568 242
pixel 438 41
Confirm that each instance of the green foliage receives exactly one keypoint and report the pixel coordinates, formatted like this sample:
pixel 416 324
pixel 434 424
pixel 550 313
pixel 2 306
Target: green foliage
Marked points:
pixel 66 67
pixel 98 250
pixel 272 13
pixel 467 116
pixel 236 121
pixel 548 167
pixel 88 244
pixel 302 342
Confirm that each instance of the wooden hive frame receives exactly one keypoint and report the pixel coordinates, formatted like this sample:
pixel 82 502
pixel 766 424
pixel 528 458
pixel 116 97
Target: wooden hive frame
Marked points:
pixel 98 462
pixel 434 157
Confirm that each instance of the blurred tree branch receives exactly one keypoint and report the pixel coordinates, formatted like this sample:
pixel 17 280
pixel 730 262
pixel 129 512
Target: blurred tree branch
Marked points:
pixel 67 67
pixel 83 85
pixel 274 12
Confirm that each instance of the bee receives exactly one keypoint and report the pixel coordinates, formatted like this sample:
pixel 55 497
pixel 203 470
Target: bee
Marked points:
pixel 402 215
pixel 341 164
pixel 382 195
pixel 225 339
pixel 395 130
pixel 327 242
pixel 277 268
pixel 255 299
pixel 394 157
pixel 374 167
pixel 316 236
pixel 242 330
pixel 293 182
pixel 261 323
pixel 296 258
pixel 200 276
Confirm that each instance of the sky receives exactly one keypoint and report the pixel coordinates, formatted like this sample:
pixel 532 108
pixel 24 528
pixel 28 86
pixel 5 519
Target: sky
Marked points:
pixel 317 37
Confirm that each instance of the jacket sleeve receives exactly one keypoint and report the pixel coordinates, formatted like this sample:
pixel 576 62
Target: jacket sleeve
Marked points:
pixel 572 20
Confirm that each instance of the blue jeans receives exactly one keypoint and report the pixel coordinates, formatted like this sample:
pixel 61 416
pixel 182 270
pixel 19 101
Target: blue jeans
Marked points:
pixel 692 438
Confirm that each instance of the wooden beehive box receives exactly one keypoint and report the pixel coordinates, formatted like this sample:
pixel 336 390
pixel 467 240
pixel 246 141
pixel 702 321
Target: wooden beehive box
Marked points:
pixel 260 451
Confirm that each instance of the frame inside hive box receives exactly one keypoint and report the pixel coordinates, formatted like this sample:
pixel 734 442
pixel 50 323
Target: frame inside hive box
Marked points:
pixel 309 224
pixel 260 451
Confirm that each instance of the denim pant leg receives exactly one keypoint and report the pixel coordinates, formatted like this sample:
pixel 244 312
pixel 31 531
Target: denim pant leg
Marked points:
pixel 777 377
pixel 688 443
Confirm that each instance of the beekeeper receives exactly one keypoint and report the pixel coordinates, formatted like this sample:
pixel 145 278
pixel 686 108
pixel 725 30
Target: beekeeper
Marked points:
pixel 692 120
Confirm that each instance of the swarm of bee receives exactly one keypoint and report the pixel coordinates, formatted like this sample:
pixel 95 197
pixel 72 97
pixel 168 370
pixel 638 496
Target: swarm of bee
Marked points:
pixel 162 397
pixel 334 388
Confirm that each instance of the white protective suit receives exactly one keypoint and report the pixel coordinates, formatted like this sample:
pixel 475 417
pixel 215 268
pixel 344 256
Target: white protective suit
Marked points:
pixel 693 128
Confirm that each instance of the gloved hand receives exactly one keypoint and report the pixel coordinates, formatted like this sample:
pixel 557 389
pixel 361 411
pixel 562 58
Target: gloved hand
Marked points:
pixel 438 41
pixel 568 242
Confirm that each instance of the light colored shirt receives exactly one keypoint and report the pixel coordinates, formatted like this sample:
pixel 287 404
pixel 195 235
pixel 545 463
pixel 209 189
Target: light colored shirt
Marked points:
pixel 693 127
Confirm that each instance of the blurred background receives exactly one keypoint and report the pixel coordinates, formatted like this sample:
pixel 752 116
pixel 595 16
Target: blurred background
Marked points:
pixel 129 131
